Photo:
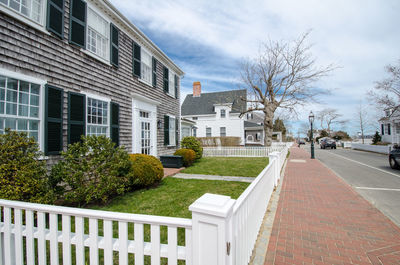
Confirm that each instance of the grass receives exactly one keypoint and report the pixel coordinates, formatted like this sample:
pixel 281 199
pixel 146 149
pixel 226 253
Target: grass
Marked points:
pixel 172 197
pixel 229 166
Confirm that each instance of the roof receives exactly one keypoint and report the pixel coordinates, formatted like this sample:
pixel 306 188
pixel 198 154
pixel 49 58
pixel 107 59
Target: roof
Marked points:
pixel 204 104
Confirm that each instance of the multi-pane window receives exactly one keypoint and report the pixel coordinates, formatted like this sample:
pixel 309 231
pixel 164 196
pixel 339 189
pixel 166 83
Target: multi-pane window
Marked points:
pixel 172 131
pixel 146 66
pixel 171 85
pixel 98 31
pixel 97 117
pixel 222 131
pixel 223 113
pixel 32 9
pixel 208 132
pixel 19 106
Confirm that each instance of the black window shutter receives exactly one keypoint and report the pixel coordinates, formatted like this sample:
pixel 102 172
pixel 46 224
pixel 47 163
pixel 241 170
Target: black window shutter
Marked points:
pixel 114 45
pixel 55 17
pixel 389 129
pixel 154 70
pixel 383 129
pixel 166 80
pixel 176 86
pixel 53 143
pixel 114 123
pixel 76 117
pixel 77 23
pixel 177 132
pixel 136 59
pixel 166 130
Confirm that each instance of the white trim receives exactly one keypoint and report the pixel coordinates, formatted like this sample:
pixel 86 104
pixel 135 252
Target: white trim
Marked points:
pixel 28 21
pixel 97 97
pixel 151 66
pixel 145 99
pixel 169 131
pixel 95 56
pixel 23 77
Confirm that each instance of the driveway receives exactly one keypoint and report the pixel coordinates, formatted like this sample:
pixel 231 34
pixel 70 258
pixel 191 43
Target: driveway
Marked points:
pixel 369 174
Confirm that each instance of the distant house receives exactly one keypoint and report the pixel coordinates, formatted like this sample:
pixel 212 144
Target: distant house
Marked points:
pixel 254 128
pixel 188 128
pixel 217 113
pixel 390 126
pixel 79 67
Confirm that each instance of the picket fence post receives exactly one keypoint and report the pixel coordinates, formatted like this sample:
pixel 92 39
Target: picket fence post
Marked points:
pixel 212 230
pixel 274 158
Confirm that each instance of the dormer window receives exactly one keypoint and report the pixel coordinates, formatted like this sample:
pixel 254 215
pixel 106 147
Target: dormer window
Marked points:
pixel 223 113
pixel 387 112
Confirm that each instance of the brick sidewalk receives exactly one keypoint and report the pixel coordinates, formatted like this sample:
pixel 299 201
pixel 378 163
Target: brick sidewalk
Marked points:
pixel 321 220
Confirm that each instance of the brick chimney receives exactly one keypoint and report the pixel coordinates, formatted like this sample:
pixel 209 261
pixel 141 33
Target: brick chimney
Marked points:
pixel 196 89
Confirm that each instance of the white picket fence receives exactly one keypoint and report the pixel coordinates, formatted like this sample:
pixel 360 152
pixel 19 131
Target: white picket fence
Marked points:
pixel 383 149
pixel 222 231
pixel 243 151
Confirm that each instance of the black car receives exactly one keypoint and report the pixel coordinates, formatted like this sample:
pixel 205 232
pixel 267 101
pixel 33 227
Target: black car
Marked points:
pixel 327 143
pixel 394 157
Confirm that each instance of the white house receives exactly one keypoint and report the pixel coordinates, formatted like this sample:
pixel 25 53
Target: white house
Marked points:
pixel 390 126
pixel 216 114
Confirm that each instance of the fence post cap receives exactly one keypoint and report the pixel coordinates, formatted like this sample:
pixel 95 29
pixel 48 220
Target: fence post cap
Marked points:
pixel 213 204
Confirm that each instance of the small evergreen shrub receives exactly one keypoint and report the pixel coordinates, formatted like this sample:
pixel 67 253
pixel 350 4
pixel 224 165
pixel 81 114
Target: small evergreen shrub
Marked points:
pixel 22 173
pixel 377 138
pixel 188 156
pixel 147 170
pixel 193 143
pixel 93 170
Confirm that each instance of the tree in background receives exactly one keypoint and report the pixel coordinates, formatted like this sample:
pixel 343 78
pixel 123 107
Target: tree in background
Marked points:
pixel 281 76
pixel 328 117
pixel 387 92
pixel 279 126
pixel 364 120
pixel 377 138
pixel 341 135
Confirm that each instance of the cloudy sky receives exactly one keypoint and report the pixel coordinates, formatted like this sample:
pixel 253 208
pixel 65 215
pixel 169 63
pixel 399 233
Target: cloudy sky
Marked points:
pixel 208 39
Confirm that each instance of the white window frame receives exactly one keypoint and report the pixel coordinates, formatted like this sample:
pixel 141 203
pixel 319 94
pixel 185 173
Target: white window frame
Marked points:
pixel 27 20
pixel 106 59
pixel 41 118
pixel 97 97
pixel 222 110
pixel 150 67
pixel 171 83
pixel 210 131
pixel 172 131
pixel 220 131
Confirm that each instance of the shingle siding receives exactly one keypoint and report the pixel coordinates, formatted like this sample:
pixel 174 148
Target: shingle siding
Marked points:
pixel 34 53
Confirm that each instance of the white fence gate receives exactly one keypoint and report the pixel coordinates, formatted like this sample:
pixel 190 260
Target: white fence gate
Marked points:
pixel 222 231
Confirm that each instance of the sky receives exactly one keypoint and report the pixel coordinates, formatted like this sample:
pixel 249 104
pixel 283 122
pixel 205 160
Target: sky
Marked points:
pixel 209 39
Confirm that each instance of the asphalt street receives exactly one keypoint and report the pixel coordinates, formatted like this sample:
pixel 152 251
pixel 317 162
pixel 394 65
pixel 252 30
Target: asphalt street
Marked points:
pixel 369 174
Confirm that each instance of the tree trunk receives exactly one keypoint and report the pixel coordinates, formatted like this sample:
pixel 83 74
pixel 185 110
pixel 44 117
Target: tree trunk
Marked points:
pixel 268 125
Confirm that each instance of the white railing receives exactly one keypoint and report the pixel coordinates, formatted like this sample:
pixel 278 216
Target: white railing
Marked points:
pixel 222 231
pixel 36 228
pixel 383 149
pixel 242 151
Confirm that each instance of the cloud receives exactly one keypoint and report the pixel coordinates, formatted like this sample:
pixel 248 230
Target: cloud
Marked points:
pixel 208 38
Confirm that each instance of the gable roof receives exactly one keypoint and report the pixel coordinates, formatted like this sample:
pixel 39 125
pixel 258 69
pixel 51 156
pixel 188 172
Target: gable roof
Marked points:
pixel 204 104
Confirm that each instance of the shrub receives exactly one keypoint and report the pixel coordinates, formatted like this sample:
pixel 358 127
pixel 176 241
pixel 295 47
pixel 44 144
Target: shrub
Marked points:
pixel 92 170
pixel 188 156
pixel 22 173
pixel 377 138
pixel 193 143
pixel 147 170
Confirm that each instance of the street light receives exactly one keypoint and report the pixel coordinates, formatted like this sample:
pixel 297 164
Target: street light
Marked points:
pixel 311 119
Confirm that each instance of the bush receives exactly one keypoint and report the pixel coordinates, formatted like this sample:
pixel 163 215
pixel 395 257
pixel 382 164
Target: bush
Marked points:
pixel 377 138
pixel 22 173
pixel 92 170
pixel 188 156
pixel 147 170
pixel 193 143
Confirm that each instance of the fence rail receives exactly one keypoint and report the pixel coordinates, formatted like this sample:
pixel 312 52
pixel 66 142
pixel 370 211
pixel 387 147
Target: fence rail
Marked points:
pixel 222 231
pixel 242 151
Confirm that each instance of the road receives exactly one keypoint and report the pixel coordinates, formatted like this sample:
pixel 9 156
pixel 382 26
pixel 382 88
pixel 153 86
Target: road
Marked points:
pixel 369 174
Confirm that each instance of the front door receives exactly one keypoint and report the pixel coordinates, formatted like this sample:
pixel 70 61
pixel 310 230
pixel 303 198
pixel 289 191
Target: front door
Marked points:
pixel 145 133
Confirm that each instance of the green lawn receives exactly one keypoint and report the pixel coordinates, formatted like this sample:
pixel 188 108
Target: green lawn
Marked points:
pixel 229 166
pixel 172 197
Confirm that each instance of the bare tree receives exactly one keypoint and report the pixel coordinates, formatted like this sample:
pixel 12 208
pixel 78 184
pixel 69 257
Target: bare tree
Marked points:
pixel 364 119
pixel 328 117
pixel 281 76
pixel 387 92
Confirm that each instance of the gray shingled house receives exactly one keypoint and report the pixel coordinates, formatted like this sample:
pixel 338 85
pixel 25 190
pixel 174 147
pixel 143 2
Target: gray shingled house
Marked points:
pixel 72 67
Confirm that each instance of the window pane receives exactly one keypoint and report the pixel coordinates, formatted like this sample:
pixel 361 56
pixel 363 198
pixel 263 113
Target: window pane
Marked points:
pixel 22 125
pixel 34 112
pixel 14 4
pixel 2 78
pixel 34 135
pixel 11 109
pixel 10 123
pixel 1 124
pixel 24 86
pixel 1 107
pixel 23 111
pixel 35 89
pixel 12 84
pixel 2 94
pixel 12 96
pixel 34 100
pixel 23 98
pixel 33 125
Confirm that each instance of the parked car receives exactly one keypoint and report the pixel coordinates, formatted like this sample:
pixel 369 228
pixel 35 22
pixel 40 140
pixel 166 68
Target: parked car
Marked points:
pixel 394 157
pixel 327 143
pixel 301 142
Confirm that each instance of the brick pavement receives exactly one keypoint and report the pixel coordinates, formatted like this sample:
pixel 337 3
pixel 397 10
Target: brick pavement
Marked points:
pixel 321 220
